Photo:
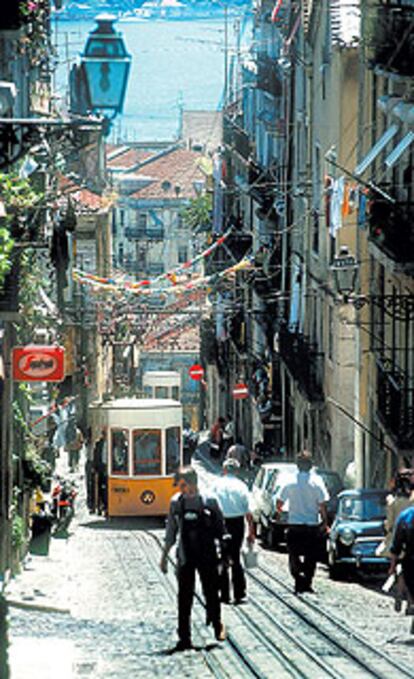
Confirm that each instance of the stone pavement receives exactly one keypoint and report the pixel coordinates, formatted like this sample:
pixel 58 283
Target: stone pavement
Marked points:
pixel 98 606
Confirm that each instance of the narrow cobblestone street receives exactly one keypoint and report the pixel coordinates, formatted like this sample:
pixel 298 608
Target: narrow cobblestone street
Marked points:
pixel 98 606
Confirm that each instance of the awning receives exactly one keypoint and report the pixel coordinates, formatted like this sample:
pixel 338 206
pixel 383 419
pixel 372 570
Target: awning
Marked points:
pixel 376 149
pixel 399 149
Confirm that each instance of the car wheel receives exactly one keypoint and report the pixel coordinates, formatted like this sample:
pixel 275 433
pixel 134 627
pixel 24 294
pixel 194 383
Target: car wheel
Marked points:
pixel 336 570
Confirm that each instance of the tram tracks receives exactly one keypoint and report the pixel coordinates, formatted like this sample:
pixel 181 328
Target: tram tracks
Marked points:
pixel 272 657
pixel 364 655
pixel 276 633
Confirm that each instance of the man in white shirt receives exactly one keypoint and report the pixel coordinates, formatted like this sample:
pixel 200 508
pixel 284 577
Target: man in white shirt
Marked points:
pixel 233 497
pixel 307 519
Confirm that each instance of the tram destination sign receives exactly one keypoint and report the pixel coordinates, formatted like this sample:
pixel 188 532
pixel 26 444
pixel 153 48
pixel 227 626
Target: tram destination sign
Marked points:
pixel 35 363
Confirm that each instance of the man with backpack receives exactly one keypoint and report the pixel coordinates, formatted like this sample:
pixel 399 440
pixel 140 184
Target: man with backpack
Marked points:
pixel 196 520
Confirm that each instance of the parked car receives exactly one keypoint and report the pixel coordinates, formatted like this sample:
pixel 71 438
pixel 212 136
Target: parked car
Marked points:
pixel 273 525
pixel 357 532
pixel 262 482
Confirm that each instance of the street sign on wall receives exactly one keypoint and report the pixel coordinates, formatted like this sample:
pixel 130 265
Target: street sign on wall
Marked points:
pixel 240 391
pixel 35 363
pixel 196 372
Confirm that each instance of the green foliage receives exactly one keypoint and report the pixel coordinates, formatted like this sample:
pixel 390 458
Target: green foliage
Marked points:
pixel 36 470
pixel 19 200
pixel 197 215
pixel 6 246
pixel 18 531
pixel 18 195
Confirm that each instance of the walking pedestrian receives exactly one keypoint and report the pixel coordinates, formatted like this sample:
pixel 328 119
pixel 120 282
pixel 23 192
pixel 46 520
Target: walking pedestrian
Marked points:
pixel 307 519
pixel 74 447
pixel 401 498
pixel 239 452
pixel 216 437
pixel 233 497
pixel 197 521
pixel 228 434
pixel 100 474
pixel 402 550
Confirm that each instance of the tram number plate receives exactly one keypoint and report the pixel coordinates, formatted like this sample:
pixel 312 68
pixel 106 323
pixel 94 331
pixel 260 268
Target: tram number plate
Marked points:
pixel 147 497
pixel 120 489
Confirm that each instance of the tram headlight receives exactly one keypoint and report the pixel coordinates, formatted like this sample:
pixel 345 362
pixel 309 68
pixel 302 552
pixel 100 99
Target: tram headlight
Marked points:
pixel 347 536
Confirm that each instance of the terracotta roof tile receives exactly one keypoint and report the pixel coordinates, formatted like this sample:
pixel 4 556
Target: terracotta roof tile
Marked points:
pixel 127 157
pixel 175 169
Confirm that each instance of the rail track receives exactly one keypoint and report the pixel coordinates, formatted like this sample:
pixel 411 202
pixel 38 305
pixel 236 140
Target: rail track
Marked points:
pixel 318 621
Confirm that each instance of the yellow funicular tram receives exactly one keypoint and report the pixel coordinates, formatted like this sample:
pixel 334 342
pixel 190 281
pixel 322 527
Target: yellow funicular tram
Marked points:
pixel 144 446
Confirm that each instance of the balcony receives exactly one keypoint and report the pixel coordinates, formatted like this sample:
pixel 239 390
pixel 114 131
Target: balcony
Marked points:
pixel 390 229
pixel 268 271
pixel 139 233
pixel 261 186
pixel 395 405
pixel 154 268
pixel 133 267
pixel 304 363
pixel 390 37
pixel 236 138
pixel 232 251
pixel 269 77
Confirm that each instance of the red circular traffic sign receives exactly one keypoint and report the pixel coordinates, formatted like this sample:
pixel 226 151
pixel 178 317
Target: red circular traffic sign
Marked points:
pixel 196 372
pixel 240 390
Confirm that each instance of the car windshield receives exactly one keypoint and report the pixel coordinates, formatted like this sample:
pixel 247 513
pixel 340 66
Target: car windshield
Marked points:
pixel 362 509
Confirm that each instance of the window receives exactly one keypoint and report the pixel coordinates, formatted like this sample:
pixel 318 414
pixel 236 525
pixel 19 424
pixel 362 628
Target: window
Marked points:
pixel 180 222
pixel 142 220
pixel 146 450
pixel 122 218
pixel 173 442
pixel 119 452
pixel 175 393
pixel 182 254
pixel 161 392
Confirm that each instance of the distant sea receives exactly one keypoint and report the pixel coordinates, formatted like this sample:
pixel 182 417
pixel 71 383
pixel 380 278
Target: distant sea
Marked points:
pixel 175 65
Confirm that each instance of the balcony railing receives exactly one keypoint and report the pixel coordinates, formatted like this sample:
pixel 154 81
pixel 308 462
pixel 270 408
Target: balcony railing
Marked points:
pixel 304 363
pixel 269 77
pixel 235 248
pixel 390 37
pixel 236 138
pixel 133 267
pixel 155 268
pixel 390 228
pixel 396 405
pixel 261 185
pixel 139 233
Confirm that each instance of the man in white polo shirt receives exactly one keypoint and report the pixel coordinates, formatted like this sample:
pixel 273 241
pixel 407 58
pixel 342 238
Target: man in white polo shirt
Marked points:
pixel 233 497
pixel 307 518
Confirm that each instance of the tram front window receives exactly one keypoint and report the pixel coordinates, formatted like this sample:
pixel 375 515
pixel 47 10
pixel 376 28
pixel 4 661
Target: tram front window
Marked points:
pixel 147 452
pixel 173 449
pixel 161 392
pixel 119 451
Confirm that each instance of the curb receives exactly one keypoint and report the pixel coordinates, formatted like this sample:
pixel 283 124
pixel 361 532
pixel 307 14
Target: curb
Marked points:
pixel 25 605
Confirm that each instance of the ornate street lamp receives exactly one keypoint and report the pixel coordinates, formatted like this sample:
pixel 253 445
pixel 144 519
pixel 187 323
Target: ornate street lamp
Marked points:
pixel 98 86
pixel 344 269
pixel 99 83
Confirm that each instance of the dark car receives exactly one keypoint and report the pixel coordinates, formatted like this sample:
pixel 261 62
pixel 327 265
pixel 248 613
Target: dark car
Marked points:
pixel 273 525
pixel 357 532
